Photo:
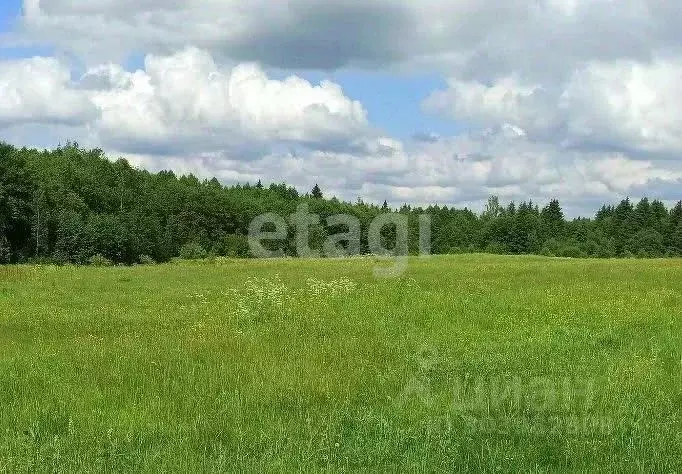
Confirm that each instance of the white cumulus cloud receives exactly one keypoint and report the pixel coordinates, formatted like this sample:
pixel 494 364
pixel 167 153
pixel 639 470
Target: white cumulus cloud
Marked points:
pixel 40 89
pixel 183 101
pixel 187 99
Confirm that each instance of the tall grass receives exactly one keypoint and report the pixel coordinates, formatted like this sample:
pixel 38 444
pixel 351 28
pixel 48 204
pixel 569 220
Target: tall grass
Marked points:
pixel 13 273
pixel 465 363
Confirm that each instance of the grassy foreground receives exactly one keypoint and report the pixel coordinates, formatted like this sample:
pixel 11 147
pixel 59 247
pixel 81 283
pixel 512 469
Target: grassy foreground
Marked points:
pixel 467 363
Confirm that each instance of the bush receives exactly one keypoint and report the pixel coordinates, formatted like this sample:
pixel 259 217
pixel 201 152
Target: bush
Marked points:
pixel 671 253
pixel 590 248
pixel 5 253
pixel 146 260
pixel 571 251
pixel 60 258
pixel 235 246
pixel 54 260
pixel 192 251
pixel 495 248
pixel 100 261
pixel 551 248
pixel 606 251
pixel 547 252
pixel 641 253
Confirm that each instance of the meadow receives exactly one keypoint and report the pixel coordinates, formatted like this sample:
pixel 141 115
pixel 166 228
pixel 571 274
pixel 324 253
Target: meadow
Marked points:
pixel 465 363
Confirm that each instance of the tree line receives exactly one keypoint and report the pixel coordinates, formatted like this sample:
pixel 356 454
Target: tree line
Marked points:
pixel 72 205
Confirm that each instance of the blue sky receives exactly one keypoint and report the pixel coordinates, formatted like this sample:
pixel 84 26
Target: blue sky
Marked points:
pixel 420 102
pixel 393 101
pixel 10 11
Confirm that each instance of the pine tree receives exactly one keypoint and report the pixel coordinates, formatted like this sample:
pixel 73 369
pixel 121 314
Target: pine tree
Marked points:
pixel 676 240
pixel 553 220
pixel 642 214
pixel 316 192
pixel 676 215
pixel 659 217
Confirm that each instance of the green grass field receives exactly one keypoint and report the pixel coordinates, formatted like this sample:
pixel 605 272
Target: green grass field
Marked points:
pixel 472 362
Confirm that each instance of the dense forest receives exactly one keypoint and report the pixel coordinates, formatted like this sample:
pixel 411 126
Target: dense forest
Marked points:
pixel 71 205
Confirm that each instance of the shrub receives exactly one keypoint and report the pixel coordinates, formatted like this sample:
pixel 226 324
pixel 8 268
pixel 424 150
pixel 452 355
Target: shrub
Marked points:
pixel 495 248
pixel 571 251
pixel 551 248
pixel 192 251
pixel 641 253
pixel 671 253
pixel 5 252
pixel 146 260
pixel 590 248
pixel 606 251
pixel 235 246
pixel 100 261
pixel 547 252
pixel 60 258
pixel 57 259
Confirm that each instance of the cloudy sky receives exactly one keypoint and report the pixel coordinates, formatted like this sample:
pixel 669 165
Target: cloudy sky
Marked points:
pixel 422 102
